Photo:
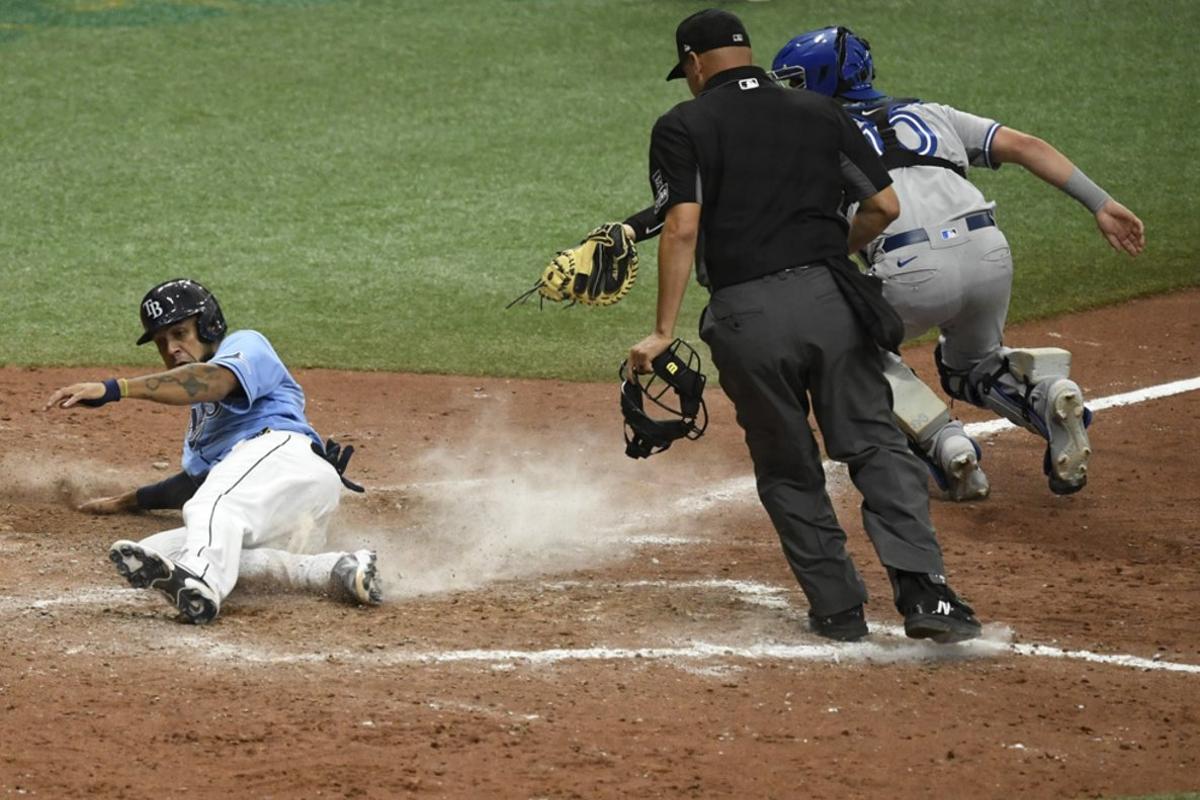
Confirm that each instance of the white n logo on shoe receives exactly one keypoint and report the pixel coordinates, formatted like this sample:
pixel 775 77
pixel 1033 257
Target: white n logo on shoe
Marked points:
pixel 944 607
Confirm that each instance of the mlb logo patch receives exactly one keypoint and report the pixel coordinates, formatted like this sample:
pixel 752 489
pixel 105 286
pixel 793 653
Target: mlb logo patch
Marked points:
pixel 949 233
pixel 662 192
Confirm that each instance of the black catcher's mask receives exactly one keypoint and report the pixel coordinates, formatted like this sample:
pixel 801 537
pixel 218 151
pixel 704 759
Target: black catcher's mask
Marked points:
pixel 676 369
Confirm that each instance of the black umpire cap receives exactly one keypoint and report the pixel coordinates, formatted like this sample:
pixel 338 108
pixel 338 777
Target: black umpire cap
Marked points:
pixel 707 30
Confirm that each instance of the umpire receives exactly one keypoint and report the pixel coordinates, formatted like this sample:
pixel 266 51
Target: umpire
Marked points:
pixel 751 177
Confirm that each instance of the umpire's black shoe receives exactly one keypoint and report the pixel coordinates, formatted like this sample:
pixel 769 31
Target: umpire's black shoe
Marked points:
pixel 845 626
pixel 932 610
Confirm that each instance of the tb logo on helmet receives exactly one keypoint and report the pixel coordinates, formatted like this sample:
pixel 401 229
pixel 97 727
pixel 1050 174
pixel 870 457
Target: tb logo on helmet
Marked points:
pixel 175 301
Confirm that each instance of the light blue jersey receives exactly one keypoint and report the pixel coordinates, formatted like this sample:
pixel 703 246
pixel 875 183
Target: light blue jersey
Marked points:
pixel 268 397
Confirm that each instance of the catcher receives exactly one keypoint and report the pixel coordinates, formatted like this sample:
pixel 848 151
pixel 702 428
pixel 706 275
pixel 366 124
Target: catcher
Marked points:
pixel 257 486
pixel 598 272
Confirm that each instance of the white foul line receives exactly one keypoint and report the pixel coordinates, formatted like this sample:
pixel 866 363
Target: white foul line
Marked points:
pixel 886 645
pixel 878 651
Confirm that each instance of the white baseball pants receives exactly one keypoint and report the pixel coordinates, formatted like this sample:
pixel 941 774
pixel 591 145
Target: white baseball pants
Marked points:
pixel 266 503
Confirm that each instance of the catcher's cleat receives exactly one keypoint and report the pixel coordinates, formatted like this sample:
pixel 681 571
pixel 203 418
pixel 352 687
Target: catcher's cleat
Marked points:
pixel 965 481
pixel 845 626
pixel 954 464
pixel 932 610
pixel 146 569
pixel 1069 449
pixel 355 579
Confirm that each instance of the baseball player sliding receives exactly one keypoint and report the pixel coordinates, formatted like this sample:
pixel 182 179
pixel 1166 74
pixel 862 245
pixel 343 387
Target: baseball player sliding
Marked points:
pixel 257 486
pixel 944 263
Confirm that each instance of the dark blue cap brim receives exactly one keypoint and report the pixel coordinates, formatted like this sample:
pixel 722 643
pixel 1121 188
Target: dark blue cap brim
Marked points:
pixel 863 93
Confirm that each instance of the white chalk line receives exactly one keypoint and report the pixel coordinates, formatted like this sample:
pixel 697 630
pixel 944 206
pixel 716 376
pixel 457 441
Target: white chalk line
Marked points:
pixel 880 651
pixel 886 645
pixel 759 594
pixel 85 597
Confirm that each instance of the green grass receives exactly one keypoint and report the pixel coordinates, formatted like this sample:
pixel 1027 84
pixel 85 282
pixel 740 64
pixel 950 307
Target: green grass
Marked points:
pixel 368 182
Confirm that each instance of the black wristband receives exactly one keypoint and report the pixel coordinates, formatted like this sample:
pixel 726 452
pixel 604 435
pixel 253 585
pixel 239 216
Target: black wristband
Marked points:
pixel 112 393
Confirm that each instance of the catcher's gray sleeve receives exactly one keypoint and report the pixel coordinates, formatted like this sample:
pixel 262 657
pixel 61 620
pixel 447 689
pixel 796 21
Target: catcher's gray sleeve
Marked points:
pixel 975 132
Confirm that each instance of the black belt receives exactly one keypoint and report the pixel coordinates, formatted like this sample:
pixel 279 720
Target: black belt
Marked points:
pixel 980 219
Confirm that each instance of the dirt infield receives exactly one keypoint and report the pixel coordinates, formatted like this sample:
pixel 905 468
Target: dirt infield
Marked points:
pixel 565 622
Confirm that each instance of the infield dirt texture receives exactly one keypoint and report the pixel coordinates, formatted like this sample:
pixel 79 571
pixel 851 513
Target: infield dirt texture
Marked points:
pixel 564 622
pixel 368 183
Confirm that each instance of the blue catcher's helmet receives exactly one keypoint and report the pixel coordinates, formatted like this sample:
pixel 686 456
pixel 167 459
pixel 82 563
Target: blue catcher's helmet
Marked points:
pixel 830 61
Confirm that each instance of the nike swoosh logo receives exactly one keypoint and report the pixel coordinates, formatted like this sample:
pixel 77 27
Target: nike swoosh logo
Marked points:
pixel 904 261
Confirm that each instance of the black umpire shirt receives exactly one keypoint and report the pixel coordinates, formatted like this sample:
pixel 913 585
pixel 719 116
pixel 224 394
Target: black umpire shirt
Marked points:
pixel 771 168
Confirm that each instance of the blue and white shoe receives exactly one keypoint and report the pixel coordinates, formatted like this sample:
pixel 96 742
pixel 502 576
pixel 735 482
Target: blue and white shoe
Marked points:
pixel 146 569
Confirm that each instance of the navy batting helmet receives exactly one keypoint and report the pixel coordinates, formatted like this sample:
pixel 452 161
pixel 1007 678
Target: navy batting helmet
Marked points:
pixel 175 301
pixel 833 61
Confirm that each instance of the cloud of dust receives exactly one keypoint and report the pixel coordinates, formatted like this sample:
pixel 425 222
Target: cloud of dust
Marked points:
pixel 888 645
pixel 69 483
pixel 497 506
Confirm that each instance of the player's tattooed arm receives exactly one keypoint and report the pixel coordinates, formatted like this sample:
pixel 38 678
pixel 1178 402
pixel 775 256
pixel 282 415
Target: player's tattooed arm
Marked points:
pixel 182 386
pixel 191 383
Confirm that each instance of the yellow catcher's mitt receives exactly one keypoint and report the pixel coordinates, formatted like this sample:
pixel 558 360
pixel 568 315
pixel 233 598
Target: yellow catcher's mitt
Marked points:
pixel 598 272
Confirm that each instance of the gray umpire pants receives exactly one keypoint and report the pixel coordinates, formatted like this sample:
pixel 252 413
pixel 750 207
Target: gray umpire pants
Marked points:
pixel 784 342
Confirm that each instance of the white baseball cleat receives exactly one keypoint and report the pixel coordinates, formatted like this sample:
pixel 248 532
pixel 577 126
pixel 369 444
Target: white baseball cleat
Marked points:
pixel 956 458
pixel 146 569
pixel 1069 449
pixel 355 579
pixel 965 480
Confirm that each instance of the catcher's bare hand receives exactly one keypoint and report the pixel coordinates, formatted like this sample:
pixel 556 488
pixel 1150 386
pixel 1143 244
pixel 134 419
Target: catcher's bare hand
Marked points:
pixel 110 505
pixel 71 395
pixel 1121 227
pixel 644 352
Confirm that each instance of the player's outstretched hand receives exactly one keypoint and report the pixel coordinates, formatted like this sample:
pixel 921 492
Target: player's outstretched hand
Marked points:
pixel 76 392
pixel 1121 227
pixel 117 504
